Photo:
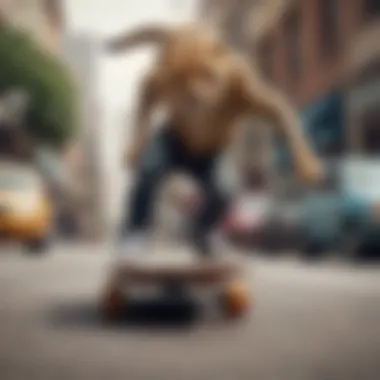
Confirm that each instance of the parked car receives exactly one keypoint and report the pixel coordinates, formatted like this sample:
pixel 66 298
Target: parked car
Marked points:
pixel 25 209
pixel 343 215
pixel 282 228
pixel 361 190
pixel 321 222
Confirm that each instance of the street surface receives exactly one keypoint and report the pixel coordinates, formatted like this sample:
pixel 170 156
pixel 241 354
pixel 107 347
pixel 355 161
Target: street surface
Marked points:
pixel 317 322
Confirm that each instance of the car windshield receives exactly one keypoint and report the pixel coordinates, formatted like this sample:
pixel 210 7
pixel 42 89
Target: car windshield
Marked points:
pixel 17 180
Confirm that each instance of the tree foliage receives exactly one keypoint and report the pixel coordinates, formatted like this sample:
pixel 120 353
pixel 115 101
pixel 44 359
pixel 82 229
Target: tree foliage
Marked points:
pixel 51 116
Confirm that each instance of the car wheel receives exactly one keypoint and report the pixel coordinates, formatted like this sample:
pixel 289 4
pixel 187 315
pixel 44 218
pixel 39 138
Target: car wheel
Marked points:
pixel 366 252
pixel 270 247
pixel 268 242
pixel 313 251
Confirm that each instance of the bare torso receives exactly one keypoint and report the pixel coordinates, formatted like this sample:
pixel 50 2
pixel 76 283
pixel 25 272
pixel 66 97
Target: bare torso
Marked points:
pixel 209 136
pixel 197 67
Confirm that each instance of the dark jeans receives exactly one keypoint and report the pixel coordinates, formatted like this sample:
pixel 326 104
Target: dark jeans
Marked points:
pixel 166 152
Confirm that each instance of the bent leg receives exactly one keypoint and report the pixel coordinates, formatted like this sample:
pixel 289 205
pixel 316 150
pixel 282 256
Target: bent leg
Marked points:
pixel 214 206
pixel 154 165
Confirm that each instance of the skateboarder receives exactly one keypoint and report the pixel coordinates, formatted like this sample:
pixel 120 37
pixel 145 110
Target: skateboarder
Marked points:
pixel 206 89
pixel 167 151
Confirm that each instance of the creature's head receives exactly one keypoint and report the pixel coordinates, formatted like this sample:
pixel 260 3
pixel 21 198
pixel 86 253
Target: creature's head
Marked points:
pixel 197 73
pixel 194 65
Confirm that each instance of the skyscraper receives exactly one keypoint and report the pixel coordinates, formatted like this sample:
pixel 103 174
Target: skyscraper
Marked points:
pixel 81 54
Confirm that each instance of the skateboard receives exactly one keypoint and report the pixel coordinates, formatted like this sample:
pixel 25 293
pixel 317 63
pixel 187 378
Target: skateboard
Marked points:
pixel 219 280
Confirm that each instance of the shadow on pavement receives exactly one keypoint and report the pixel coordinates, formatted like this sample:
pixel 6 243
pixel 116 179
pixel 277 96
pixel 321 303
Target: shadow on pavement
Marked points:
pixel 149 314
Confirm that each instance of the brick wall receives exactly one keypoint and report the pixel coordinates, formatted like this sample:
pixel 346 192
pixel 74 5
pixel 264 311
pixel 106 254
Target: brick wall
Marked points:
pixel 318 74
pixel 232 17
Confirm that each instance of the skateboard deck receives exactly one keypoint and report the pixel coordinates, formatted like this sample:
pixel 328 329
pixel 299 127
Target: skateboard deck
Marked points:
pixel 223 276
pixel 181 269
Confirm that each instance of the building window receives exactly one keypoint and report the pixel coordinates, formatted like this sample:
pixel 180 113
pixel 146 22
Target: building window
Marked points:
pixel 266 58
pixel 371 9
pixel 293 43
pixel 329 26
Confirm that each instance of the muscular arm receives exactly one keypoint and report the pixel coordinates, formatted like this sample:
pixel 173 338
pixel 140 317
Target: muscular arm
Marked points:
pixel 261 100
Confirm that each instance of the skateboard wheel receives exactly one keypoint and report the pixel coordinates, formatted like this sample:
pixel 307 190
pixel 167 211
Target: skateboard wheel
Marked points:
pixel 236 300
pixel 112 303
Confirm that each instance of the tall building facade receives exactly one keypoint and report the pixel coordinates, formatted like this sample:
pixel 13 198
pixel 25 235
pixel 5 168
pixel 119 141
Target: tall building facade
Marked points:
pixel 363 87
pixel 317 51
pixel 324 56
pixel 83 158
pixel 43 18
pixel 230 17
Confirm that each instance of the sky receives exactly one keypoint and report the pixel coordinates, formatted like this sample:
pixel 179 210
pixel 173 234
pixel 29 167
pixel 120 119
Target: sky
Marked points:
pixel 119 77
pixel 101 18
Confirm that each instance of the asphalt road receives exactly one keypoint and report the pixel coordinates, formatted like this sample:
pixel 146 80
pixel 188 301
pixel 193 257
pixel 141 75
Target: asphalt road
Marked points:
pixel 310 322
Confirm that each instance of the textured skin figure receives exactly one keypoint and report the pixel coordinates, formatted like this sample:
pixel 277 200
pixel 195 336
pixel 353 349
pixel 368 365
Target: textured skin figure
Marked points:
pixel 206 89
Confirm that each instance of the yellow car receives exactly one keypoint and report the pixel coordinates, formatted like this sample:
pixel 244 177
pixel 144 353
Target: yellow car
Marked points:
pixel 25 209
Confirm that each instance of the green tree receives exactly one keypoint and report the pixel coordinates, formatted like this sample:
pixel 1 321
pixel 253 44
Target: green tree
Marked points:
pixel 51 117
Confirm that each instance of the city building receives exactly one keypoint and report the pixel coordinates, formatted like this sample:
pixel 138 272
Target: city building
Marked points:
pixel 43 18
pixel 83 159
pixel 230 17
pixel 315 52
pixel 323 55
pixel 363 87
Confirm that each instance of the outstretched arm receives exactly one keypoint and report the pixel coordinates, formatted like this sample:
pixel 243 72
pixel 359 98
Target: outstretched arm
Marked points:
pixel 261 100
